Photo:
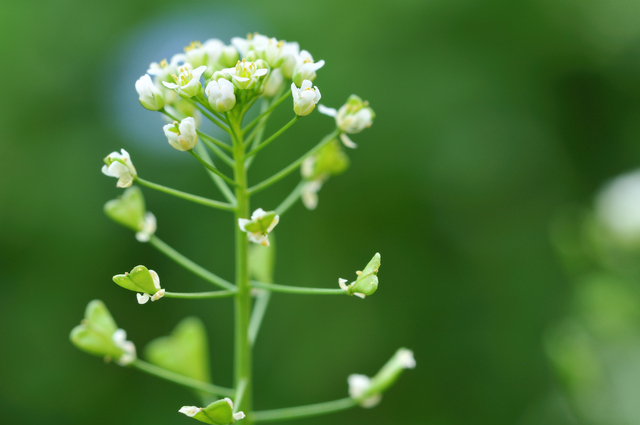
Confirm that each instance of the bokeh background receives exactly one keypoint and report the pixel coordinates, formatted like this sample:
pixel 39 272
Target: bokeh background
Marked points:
pixel 492 116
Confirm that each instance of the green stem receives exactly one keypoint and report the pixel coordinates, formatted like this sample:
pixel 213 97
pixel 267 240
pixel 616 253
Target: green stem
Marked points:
pixel 271 108
pixel 181 379
pixel 200 295
pixel 189 197
pixel 237 398
pixel 211 168
pixel 272 138
pixel 297 289
pixel 188 264
pixel 216 142
pixel 256 134
pixel 305 411
pixel 216 179
pixel 259 309
pixel 289 169
pixel 242 348
pixel 292 198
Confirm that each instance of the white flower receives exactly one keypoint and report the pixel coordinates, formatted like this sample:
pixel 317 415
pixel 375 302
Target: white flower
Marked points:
pixel 245 75
pixel 144 297
pixel 305 68
pixel 220 95
pixel 353 117
pixel 182 136
pixel 164 70
pixel 150 96
pixel 260 225
pixel 618 207
pixel 119 338
pixel 187 80
pixel 310 194
pixel 195 54
pixel 274 83
pixel 406 359
pixel 304 98
pixel 358 386
pixel 148 228
pixel 119 165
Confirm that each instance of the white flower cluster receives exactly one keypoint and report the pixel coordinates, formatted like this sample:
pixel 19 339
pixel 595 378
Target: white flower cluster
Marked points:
pixel 253 66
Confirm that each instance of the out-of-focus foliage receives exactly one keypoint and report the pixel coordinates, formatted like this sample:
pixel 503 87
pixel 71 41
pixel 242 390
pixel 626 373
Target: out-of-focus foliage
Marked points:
pixel 490 116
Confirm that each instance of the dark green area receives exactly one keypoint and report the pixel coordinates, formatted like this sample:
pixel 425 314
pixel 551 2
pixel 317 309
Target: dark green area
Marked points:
pixel 491 116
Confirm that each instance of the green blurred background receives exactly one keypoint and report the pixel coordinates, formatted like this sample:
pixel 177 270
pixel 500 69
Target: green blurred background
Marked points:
pixel 491 117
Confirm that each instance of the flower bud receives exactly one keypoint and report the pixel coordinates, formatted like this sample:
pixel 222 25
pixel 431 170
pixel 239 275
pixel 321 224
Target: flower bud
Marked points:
pixel 305 68
pixel 150 96
pixel 367 281
pixel 187 82
pixel 304 98
pixel 260 225
pixel 182 136
pixel 99 335
pixel 119 165
pixel 220 95
pixel 274 83
pixel 129 211
pixel 368 391
pixel 217 413
pixel 229 56
pixel 141 280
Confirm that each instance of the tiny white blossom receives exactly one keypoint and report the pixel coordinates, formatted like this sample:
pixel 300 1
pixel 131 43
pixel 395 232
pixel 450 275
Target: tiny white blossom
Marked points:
pixel 182 136
pixel 195 54
pixel 258 228
pixel 119 165
pixel 353 117
pixel 187 82
pixel 406 359
pixel 358 385
pixel 149 227
pixel 305 68
pixel 304 98
pixel 119 338
pixel 220 95
pixel 245 75
pixel 149 94
pixel 310 194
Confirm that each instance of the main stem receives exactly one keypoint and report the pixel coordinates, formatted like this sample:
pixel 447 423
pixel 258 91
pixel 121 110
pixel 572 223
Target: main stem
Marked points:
pixel 242 364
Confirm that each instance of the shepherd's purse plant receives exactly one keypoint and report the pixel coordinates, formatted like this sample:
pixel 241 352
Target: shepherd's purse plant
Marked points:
pixel 255 72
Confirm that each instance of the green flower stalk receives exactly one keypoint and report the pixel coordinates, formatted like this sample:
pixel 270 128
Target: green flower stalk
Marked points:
pixel 225 84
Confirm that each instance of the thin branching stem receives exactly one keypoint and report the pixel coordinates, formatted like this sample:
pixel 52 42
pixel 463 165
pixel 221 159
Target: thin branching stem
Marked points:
pixel 189 197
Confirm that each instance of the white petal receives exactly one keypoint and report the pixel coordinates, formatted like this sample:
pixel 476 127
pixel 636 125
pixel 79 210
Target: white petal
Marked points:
pixel 260 72
pixel 170 85
pixel 360 295
pixel 347 141
pixel 327 111
pixel 155 278
pixel 190 411
pixel 238 416
pixel 143 298
pixel 243 222
pixel 406 359
pixel 259 213
pixel 158 295
pixel 343 284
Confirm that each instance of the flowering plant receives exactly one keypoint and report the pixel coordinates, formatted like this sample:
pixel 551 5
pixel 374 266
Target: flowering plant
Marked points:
pixel 222 83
